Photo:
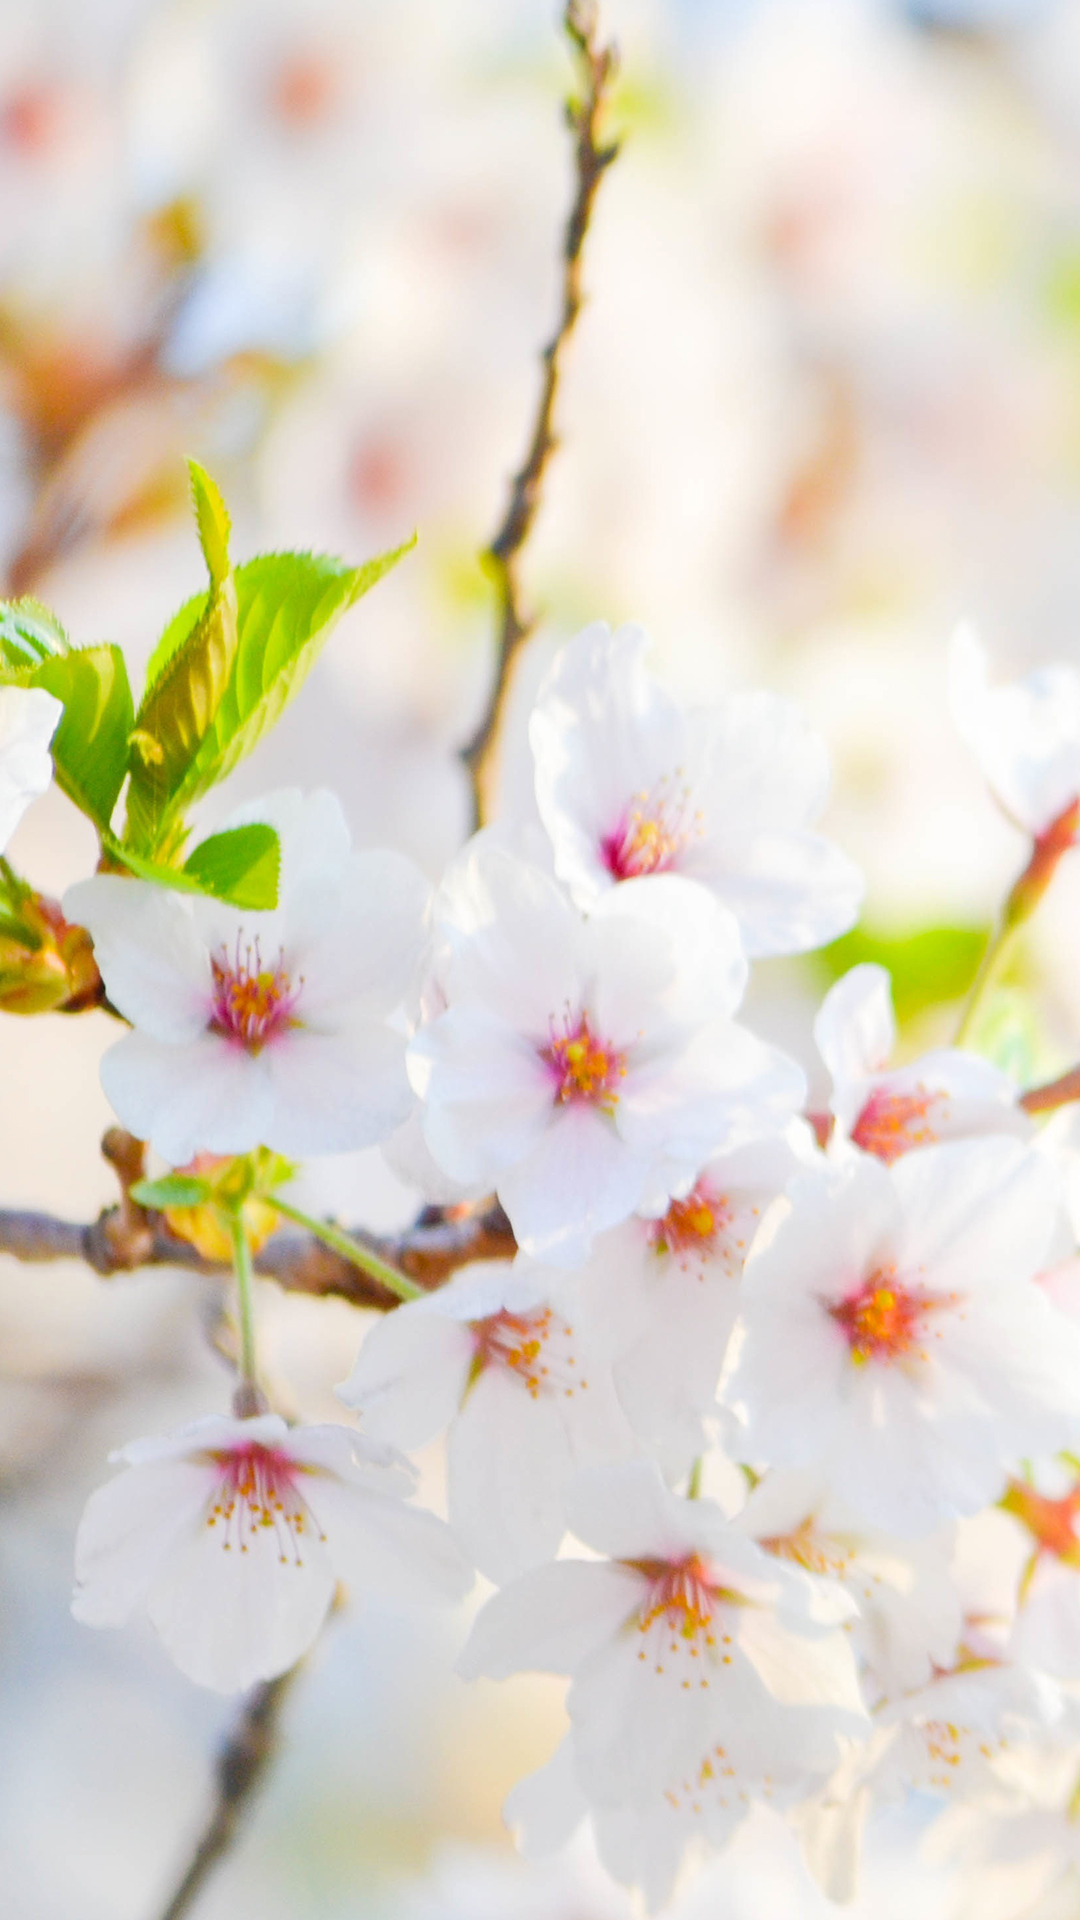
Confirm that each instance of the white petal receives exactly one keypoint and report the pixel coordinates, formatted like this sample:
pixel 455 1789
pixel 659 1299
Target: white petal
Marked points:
pixel 545 1808
pixel 128 1528
pixel 855 1031
pixel 371 946
pixel 580 1178
pixel 334 1092
pixel 488 1094
pixel 28 719
pixel 550 1619
pixel 410 1375
pixel 976 1214
pixel 384 1545
pixel 206 1096
pixel 155 966
pixel 508 1460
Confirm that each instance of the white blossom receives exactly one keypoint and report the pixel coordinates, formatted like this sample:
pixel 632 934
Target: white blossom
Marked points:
pixel 629 784
pixel 893 1336
pixel 234 1533
pixel 28 719
pixel 944 1095
pixel 1025 736
pixel 497 1357
pixel 586 1067
pixel 262 1028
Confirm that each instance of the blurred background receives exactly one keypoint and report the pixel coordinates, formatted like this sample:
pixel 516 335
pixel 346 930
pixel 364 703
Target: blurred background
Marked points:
pixel 824 400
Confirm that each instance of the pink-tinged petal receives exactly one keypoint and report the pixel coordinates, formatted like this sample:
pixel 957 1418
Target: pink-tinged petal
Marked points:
pixel 367 946
pixel 545 1808
pixel 28 719
pixel 381 1544
pixel 410 1375
pixel 155 965
pixel 489 1096
pixel 579 1178
pixel 603 732
pixel 206 1096
pixel 360 1458
pixel 550 1619
pixel 977 1215
pixel 718 1088
pixel 508 1461
pixel 334 1092
pixel 233 1613
pixel 128 1529
pixel 214 1432
pixel 855 1031
pixel 1025 736
pixel 764 770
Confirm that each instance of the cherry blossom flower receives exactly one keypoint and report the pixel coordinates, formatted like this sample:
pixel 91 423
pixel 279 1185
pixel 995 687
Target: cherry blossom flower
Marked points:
pixel 1025 736
pixel 629 785
pixel 909 1616
pixel 893 1336
pixel 1046 1629
pixel 28 719
pixel 587 1067
pixel 662 1296
pixel 944 1095
pixel 262 1028
pixel 498 1356
pixel 234 1534
pixel 684 1641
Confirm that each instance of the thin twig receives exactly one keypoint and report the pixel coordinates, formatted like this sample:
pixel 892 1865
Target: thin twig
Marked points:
pixel 1055 1093
pixel 592 157
pixel 241 1765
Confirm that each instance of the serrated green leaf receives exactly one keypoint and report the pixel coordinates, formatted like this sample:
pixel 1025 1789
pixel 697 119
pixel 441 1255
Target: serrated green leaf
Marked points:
pixel 929 966
pixel 90 745
pixel 184 620
pixel 287 605
pixel 246 876
pixel 190 672
pixel 172 1190
pixel 241 865
pixel 213 523
pixel 29 633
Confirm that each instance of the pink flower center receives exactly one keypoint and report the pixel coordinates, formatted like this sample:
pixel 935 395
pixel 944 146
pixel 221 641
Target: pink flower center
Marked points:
pixel 890 1124
pixel 252 1003
pixel 885 1320
pixel 257 1491
pixel 585 1070
pixel 691 1225
pixel 652 832
pixel 535 1348
pixel 678 1620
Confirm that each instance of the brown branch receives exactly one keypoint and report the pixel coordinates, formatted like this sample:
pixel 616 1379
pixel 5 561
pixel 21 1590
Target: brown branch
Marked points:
pixel 1054 1093
pixel 591 159
pixel 242 1763
pixel 428 1252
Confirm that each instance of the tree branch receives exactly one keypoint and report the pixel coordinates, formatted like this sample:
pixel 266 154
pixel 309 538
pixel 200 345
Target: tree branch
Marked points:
pixel 1055 1093
pixel 598 66
pixel 241 1765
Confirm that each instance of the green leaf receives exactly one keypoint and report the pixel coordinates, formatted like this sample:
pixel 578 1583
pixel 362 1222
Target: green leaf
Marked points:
pixel 929 965
pixel 242 875
pixel 182 623
pixel 241 865
pixel 190 672
pixel 213 523
pixel 90 745
pixel 29 633
pixel 173 1190
pixel 287 605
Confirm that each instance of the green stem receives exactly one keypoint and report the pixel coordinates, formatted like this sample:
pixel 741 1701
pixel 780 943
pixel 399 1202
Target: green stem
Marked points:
pixel 990 967
pixel 245 1299
pixel 693 1485
pixel 351 1250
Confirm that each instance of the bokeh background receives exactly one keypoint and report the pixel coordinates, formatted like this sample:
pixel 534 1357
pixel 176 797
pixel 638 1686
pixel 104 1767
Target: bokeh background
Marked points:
pixel 824 400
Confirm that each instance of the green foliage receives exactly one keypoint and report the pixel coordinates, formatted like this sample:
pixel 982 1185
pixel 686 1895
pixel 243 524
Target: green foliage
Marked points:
pixel 183 696
pixel 928 966
pixel 90 745
pixel 173 1190
pixel 29 633
pixel 240 866
pixel 287 606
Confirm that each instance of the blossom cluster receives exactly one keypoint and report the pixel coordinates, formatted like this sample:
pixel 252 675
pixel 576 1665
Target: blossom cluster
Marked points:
pixel 767 1436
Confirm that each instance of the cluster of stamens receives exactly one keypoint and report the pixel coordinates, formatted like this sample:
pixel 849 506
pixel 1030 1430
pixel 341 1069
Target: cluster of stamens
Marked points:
pixel 257 1491
pixel 678 1619
pixel 655 829
pixel 891 1124
pixel 535 1348
pixel 251 1002
pixel 586 1070
pixel 690 1225
pixel 885 1320
pixel 948 1745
